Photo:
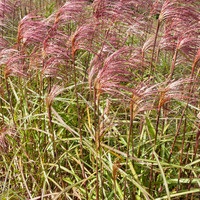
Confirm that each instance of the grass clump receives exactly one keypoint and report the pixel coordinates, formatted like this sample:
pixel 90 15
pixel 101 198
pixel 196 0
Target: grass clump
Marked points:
pixel 99 100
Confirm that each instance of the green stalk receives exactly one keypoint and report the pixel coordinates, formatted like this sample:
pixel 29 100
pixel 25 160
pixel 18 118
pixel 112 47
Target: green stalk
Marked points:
pixel 154 148
pixel 97 138
pixel 79 123
pixel 154 45
pixel 173 64
pixel 49 107
pixel 157 126
pixel 130 138
pixel 10 101
pixel 177 133
pixel 181 154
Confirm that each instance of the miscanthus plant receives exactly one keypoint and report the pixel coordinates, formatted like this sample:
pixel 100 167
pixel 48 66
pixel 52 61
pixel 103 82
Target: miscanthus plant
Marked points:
pixel 99 99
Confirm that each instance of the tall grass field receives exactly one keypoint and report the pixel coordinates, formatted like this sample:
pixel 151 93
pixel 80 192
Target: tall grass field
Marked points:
pixel 99 100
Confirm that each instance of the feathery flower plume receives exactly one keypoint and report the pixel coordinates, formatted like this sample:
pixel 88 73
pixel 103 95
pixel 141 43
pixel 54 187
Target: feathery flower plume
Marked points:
pixel 3 140
pixel 186 42
pixel 137 27
pixel 156 8
pixel 32 30
pixel 143 97
pixel 55 45
pixel 111 71
pixel 3 43
pixel 124 11
pixel 6 8
pixel 176 90
pixel 55 91
pixel 109 42
pixel 97 62
pixel 115 72
pixel 168 11
pixel 5 55
pixel 14 63
pixel 36 60
pixel 55 54
pixel 99 7
pixel 71 11
pixel 53 67
pixel 7 14
pixel 107 9
pixel 85 38
pixel 148 44
pixel 181 23
pixel 181 31
pixel 189 40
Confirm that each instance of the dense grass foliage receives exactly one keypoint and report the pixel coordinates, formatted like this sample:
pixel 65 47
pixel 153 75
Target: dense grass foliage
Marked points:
pixel 99 99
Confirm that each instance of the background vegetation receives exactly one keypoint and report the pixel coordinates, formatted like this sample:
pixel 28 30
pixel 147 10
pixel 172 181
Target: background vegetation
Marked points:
pixel 99 99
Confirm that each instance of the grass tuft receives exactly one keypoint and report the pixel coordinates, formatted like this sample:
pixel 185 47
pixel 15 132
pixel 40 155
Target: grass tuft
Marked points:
pixel 99 99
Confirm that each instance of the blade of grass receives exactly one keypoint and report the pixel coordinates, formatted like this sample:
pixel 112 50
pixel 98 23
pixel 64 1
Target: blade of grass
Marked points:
pixel 163 175
pixel 179 194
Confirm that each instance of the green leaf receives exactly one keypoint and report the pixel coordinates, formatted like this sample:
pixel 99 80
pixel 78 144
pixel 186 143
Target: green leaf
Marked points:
pixel 150 128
